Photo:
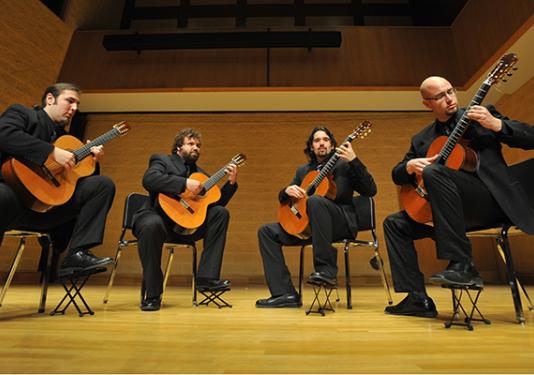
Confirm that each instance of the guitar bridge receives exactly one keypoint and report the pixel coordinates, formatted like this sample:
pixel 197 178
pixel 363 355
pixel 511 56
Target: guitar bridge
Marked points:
pixel 50 176
pixel 187 206
pixel 296 212
pixel 421 192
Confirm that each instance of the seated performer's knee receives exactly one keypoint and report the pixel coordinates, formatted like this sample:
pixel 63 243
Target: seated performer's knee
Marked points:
pixel 9 206
pixel 389 223
pixel 315 201
pixel 395 223
pixel 219 212
pixel 431 172
pixel 265 232
pixel 106 185
pixel 150 226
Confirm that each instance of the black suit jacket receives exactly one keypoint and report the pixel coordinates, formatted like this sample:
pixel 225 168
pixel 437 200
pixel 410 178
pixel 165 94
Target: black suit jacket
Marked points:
pixel 492 169
pixel 349 178
pixel 168 174
pixel 27 134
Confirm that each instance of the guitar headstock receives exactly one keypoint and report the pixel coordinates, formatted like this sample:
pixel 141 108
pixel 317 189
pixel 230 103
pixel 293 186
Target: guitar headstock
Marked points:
pixel 239 160
pixel 122 127
pixel 506 63
pixel 361 131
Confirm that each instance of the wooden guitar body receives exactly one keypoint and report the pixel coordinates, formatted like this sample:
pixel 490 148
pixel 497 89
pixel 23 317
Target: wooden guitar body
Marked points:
pixel 190 211
pixel 292 215
pixel 414 198
pixel 36 189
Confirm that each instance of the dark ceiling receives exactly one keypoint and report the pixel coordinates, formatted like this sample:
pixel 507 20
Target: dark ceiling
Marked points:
pixel 243 14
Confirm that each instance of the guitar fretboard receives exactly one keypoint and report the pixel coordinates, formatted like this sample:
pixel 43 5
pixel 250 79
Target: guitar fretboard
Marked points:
pixel 213 180
pixel 326 169
pixel 462 125
pixel 85 150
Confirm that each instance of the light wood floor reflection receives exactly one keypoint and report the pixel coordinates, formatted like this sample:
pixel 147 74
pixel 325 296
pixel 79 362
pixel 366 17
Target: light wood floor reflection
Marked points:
pixel 180 338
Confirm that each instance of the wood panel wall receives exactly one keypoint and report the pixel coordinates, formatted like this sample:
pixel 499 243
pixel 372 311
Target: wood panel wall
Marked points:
pixel 482 29
pixel 369 56
pixel 374 56
pixel 34 42
pixel 93 14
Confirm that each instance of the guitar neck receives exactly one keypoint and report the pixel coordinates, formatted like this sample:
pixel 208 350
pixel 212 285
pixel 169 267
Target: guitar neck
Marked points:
pixel 463 124
pixel 213 180
pixel 323 173
pixel 85 150
pixel 326 169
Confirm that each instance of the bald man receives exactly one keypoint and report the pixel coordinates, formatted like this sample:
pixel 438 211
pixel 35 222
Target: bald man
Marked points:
pixel 460 200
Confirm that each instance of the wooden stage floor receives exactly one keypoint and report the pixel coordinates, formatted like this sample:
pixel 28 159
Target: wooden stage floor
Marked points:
pixel 180 338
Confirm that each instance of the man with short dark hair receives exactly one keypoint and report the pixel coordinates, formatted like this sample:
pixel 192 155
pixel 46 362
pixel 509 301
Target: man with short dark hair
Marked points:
pixel 329 219
pixel 169 174
pixel 459 200
pixel 27 134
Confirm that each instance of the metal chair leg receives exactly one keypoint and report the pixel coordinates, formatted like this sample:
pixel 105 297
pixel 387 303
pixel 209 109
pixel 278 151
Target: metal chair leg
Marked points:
pixel 167 269
pixel 525 293
pixel 12 269
pixel 113 273
pixel 194 273
pixel 347 276
pixel 385 283
pixel 45 277
pixel 301 270
pixel 503 243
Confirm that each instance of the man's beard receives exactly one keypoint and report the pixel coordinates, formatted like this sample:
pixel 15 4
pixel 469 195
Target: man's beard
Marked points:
pixel 322 152
pixel 191 157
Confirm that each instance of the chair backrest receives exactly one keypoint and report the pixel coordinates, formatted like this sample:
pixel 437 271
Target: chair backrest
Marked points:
pixel 524 171
pixel 365 212
pixel 132 204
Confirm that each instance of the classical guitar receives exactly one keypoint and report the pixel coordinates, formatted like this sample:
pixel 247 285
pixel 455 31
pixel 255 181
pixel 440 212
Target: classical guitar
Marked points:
pixel 452 150
pixel 189 211
pixel 292 214
pixel 42 187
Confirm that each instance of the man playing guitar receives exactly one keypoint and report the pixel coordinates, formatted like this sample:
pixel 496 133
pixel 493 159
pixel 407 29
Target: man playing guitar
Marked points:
pixel 459 200
pixel 169 174
pixel 329 219
pixel 27 135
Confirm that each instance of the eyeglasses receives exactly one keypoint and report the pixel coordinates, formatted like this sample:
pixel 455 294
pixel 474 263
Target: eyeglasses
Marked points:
pixel 441 95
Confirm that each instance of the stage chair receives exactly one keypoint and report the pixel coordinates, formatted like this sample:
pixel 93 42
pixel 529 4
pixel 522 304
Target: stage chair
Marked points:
pixel 365 210
pixel 134 201
pixel 45 242
pixel 523 171
pixel 501 234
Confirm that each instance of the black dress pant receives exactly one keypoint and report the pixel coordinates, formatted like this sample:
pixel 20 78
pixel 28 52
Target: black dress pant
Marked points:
pixel 460 201
pixel 85 213
pixel 153 229
pixel 327 224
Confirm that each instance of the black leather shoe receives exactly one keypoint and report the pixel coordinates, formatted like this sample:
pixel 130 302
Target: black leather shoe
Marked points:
pixel 457 274
pixel 285 300
pixel 212 284
pixel 320 278
pixel 83 260
pixel 411 306
pixel 107 259
pixel 151 304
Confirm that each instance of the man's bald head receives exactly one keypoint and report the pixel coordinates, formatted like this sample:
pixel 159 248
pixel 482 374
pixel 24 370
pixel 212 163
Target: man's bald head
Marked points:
pixel 439 96
pixel 432 84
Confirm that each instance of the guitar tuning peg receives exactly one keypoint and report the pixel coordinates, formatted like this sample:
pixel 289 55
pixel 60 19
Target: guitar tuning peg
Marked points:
pixel 515 68
pixel 505 80
pixel 509 74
